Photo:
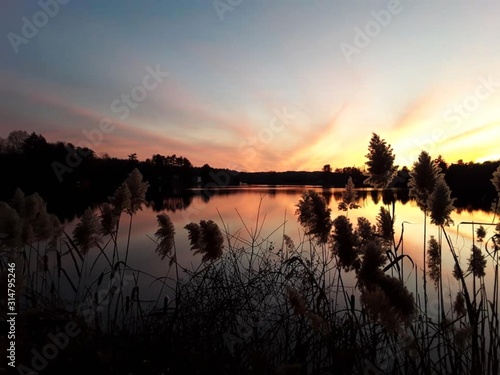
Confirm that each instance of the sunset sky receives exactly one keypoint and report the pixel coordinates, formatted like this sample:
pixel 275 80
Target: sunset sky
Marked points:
pixel 258 85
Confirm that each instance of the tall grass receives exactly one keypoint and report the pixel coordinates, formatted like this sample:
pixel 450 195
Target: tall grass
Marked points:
pixel 333 302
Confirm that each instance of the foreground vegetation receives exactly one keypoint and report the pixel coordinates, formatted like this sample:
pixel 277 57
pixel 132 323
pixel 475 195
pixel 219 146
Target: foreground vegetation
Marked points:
pixel 254 306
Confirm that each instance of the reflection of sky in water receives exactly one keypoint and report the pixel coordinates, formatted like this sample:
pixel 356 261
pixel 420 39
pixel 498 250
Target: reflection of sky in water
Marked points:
pixel 277 215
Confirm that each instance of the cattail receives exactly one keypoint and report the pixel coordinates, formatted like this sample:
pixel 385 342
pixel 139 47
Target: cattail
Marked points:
pixel 314 216
pixel 87 232
pixel 344 243
pixel 434 261
pixel 206 238
pixel 381 168
pixel 165 235
pixel 349 197
pixel 477 262
pixel 138 190
pixel 441 203
pixel 423 179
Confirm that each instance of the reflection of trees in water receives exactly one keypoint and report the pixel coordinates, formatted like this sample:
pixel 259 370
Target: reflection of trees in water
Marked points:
pixel 271 191
pixel 327 194
pixel 171 203
pixel 403 196
pixel 388 196
pixel 66 207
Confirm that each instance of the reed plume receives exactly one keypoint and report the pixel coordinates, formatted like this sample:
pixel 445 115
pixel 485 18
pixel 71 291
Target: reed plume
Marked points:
pixel 314 216
pixel 477 262
pixel 344 243
pixel 423 179
pixel 434 261
pixel 165 235
pixel 381 169
pixel 87 233
pixel 349 197
pixel 441 203
pixel 206 238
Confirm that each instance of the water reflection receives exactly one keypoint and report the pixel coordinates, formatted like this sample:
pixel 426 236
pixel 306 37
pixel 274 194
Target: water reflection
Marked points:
pixel 183 199
pixel 271 209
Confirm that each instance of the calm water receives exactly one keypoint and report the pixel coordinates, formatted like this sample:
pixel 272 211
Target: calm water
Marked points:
pixel 273 208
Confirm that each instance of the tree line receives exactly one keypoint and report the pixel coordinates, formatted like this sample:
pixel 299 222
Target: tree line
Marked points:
pixel 71 178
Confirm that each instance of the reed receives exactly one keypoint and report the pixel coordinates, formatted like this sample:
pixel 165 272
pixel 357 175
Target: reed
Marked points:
pixel 335 301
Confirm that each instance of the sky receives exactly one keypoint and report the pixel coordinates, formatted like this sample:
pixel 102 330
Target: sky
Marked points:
pixel 255 85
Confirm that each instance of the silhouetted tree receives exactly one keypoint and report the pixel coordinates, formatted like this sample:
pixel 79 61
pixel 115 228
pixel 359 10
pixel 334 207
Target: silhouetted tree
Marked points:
pixel 439 161
pixel 15 140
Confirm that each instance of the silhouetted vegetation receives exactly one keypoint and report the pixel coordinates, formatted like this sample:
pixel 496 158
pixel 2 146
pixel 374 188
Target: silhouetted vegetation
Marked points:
pixel 252 306
pixel 71 178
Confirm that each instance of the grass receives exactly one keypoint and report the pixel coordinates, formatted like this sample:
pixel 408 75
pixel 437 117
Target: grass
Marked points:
pixel 252 306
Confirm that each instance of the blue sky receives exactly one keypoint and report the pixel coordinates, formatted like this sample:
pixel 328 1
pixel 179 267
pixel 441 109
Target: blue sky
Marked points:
pixel 265 85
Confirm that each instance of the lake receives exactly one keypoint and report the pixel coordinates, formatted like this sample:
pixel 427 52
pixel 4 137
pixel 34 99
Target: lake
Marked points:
pixel 272 210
